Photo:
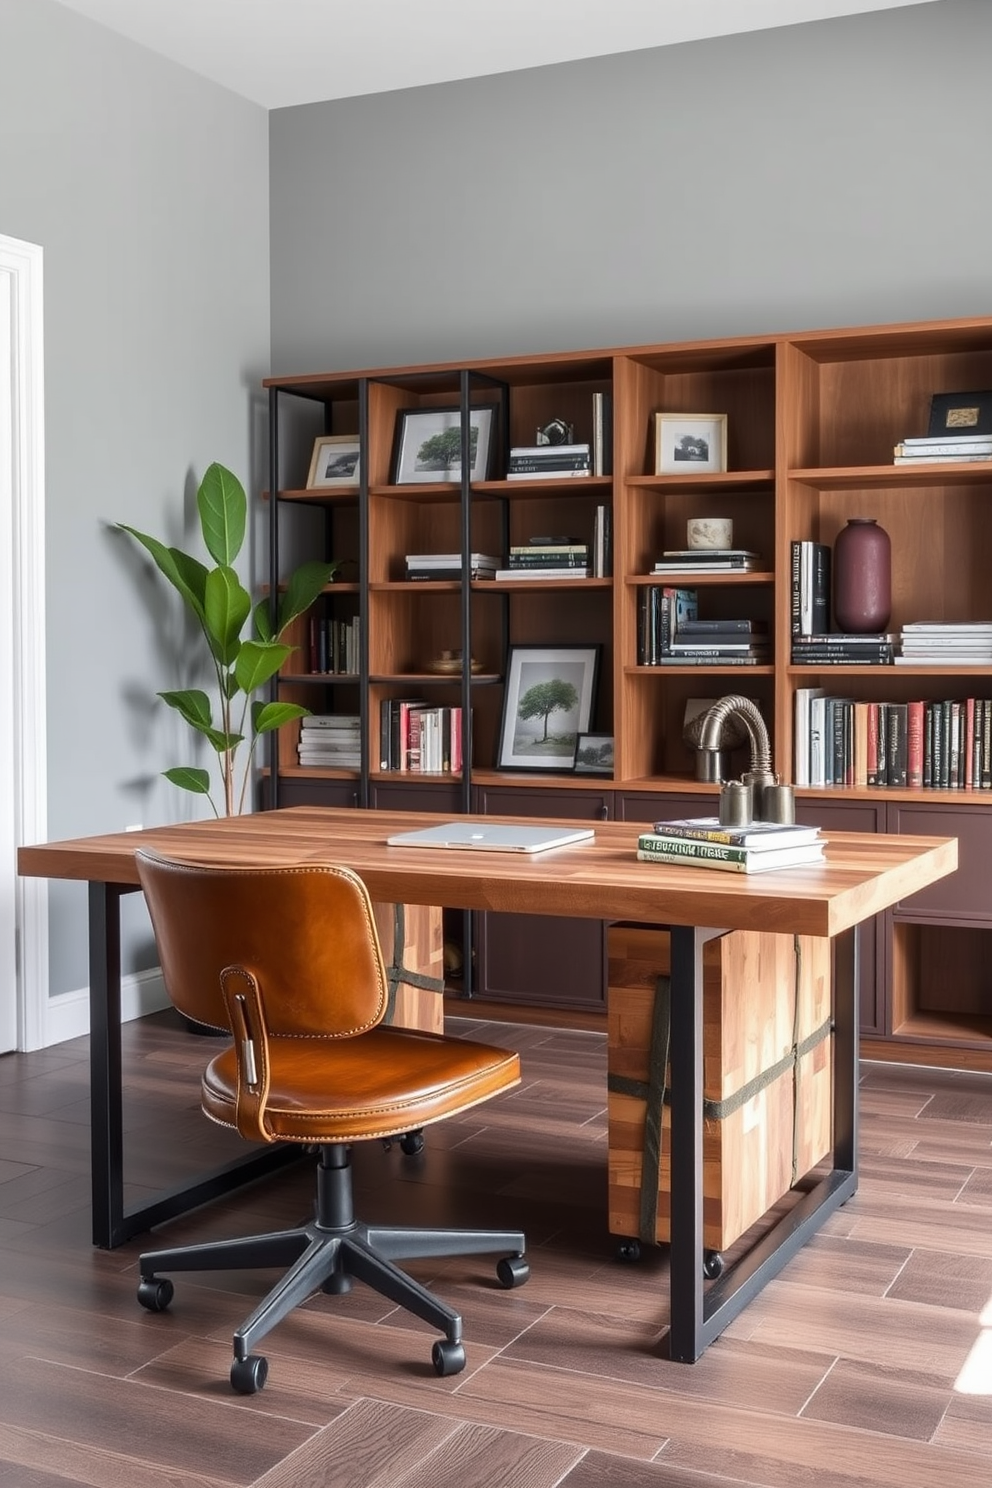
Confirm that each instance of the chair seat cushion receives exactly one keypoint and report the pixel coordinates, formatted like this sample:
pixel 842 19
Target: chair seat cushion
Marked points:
pixel 384 1083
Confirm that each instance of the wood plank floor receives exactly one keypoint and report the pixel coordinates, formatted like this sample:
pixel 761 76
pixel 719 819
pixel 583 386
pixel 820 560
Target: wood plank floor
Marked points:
pixel 868 1362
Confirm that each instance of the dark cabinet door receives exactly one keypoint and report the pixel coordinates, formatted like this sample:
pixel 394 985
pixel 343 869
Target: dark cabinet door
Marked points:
pixel 541 960
pixel 310 792
pixel 965 897
pixel 857 816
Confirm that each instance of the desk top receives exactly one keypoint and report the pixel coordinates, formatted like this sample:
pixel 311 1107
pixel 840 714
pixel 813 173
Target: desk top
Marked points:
pixel 863 873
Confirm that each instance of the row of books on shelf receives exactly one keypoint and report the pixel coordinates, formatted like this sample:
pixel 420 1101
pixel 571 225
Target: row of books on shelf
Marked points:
pixel 420 738
pixel 334 645
pixel 810 588
pixel 670 632
pixel 839 649
pixel 939 744
pixel 331 741
pixel 702 842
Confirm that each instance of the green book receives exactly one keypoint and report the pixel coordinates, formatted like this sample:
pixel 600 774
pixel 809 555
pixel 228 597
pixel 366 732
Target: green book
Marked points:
pixel 652 847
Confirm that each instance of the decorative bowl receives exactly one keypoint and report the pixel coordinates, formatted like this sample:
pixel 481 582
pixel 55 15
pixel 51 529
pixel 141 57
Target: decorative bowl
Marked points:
pixel 449 664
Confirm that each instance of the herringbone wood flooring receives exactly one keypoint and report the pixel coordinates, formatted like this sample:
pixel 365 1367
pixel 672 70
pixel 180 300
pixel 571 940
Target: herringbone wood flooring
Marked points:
pixel 869 1361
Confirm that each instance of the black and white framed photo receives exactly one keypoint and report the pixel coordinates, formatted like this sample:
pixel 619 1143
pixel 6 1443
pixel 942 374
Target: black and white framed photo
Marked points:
pixel 960 414
pixel 689 443
pixel 335 461
pixel 547 703
pixel 429 444
pixel 594 754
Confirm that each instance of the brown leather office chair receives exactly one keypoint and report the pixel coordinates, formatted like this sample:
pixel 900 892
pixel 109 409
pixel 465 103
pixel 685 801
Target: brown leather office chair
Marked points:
pixel 289 960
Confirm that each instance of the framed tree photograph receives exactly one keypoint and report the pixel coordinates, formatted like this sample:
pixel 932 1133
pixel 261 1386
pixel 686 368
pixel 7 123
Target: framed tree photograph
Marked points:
pixel 335 461
pixel 689 443
pixel 429 444
pixel 594 754
pixel 547 703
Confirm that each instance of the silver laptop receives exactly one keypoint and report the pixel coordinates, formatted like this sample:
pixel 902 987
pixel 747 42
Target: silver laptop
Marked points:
pixel 492 836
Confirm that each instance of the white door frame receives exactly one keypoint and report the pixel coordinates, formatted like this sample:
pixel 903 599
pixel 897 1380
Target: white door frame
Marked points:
pixel 23 751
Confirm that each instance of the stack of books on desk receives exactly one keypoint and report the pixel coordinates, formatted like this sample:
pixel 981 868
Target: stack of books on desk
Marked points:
pixel 547 558
pixel 701 842
pixel 530 462
pixel 706 560
pixel 449 565
pixel 942 448
pixel 331 740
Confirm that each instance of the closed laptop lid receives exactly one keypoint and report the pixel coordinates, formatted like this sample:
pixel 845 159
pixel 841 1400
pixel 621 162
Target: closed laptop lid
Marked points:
pixel 492 836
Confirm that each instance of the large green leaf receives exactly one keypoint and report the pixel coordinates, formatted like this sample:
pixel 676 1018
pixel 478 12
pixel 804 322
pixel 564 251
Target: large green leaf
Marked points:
pixel 192 703
pixel 268 716
pixel 189 779
pixel 302 589
pixel 183 572
pixel 223 509
pixel 257 662
pixel 228 605
pixel 262 619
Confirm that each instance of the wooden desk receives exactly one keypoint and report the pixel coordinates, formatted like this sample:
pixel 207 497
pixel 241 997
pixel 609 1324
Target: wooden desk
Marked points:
pixel 863 874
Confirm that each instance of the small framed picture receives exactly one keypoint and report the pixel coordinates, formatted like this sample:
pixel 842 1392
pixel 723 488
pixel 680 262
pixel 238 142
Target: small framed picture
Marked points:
pixel 687 443
pixel 335 461
pixel 429 444
pixel 594 754
pixel 954 414
pixel 547 703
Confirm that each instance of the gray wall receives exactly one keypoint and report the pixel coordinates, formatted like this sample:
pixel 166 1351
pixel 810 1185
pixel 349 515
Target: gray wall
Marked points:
pixel 815 175
pixel 147 187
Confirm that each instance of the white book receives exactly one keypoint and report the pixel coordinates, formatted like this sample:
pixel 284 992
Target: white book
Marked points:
pixel 803 703
pixel 542 573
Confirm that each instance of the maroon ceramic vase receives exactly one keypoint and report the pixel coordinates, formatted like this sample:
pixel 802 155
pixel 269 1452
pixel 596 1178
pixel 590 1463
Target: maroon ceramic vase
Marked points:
pixel 862 564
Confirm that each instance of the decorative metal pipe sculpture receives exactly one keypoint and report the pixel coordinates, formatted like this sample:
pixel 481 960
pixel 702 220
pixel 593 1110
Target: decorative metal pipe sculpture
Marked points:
pixel 758 795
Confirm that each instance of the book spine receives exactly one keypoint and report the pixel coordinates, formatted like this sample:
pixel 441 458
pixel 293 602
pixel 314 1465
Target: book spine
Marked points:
pixel 692 848
pixel 796 589
pixel 987 744
pixel 897 744
pixel 871 755
pixel 820 605
pixel 914 743
pixel 651 855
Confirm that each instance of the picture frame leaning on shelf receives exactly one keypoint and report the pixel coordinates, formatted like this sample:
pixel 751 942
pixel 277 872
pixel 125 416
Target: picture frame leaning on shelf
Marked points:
pixel 428 444
pixel 690 443
pixel 336 461
pixel 548 702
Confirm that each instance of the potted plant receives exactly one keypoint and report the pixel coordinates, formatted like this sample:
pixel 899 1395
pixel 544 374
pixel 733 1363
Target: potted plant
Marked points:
pixel 242 663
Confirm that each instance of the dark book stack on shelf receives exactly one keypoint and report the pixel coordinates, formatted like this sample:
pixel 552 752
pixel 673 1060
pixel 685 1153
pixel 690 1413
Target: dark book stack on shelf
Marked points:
pixel 420 738
pixel 960 429
pixel 837 649
pixel 449 565
pixel 332 741
pixel 530 462
pixel 547 558
pixel 721 641
pixel 701 842
pixel 670 633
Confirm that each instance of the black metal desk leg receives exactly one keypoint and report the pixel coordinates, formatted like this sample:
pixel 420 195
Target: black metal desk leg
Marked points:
pixel 106 1118
pixel 686 1341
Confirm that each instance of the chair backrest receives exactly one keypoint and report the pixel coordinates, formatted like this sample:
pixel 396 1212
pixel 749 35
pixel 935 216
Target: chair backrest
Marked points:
pixel 307 934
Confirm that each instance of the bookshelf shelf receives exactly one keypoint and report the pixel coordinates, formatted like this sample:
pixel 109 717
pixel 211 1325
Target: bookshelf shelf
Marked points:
pixel 812 420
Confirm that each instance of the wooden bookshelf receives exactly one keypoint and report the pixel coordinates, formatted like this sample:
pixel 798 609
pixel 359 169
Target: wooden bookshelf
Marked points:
pixel 812 419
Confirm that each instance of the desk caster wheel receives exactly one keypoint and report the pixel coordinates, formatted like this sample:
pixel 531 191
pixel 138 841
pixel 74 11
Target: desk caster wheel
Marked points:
pixel 412 1143
pixel 448 1358
pixel 512 1271
pixel 629 1251
pixel 249 1375
pixel 712 1264
pixel 155 1292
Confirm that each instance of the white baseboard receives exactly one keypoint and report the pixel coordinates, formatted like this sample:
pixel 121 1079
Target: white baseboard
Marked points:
pixel 68 1016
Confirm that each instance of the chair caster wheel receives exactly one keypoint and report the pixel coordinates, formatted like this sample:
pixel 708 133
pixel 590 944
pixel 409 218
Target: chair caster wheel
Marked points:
pixel 712 1264
pixel 448 1358
pixel 629 1251
pixel 412 1143
pixel 155 1292
pixel 249 1375
pixel 512 1271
